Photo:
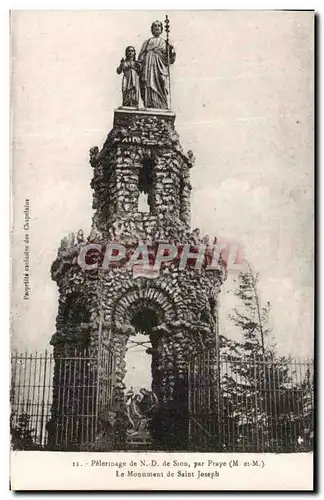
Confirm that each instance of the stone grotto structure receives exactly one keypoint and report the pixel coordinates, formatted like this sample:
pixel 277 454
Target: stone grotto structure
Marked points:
pixel 101 309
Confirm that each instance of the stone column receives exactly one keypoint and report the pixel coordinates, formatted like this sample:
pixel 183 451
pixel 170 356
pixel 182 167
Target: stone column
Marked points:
pixel 163 388
pixel 185 194
pixel 119 343
pixel 169 371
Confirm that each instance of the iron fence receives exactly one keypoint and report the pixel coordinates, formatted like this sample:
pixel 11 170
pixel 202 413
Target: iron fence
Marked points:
pixel 56 402
pixel 234 405
pixel 31 397
pixel 253 404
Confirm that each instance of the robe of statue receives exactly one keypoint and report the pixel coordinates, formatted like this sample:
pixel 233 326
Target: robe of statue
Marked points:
pixel 154 73
pixel 130 83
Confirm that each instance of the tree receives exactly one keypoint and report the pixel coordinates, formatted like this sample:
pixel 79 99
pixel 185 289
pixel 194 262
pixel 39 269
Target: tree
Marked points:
pixel 22 436
pixel 261 404
pixel 251 317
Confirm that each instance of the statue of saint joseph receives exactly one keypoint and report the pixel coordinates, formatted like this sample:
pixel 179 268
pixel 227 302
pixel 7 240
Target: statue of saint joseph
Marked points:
pixel 153 60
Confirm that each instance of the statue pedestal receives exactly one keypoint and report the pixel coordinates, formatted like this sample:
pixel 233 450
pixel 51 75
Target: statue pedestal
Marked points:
pixel 121 114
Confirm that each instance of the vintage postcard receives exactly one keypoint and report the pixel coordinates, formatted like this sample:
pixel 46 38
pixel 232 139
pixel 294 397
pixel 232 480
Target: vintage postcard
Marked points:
pixel 162 250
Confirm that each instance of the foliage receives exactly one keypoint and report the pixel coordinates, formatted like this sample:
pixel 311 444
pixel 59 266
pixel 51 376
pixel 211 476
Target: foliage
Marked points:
pixel 265 398
pixel 22 436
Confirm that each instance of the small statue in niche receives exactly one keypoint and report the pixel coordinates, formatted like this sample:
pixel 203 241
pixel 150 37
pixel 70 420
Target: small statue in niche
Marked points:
pixel 70 240
pixel 206 240
pixel 191 157
pixel 195 236
pixel 130 84
pixel 80 236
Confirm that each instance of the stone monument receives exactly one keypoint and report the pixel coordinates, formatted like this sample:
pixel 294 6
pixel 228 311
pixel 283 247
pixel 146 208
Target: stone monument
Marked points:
pixel 100 309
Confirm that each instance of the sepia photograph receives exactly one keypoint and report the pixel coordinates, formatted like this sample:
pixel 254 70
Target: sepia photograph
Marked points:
pixel 162 241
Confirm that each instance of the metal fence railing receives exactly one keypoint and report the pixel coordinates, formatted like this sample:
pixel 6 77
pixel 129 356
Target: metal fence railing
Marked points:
pixel 234 405
pixel 31 398
pixel 251 404
pixel 55 402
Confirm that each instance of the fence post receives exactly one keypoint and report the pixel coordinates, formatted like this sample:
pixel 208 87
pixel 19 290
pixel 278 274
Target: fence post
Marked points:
pixel 98 372
pixel 189 402
pixel 43 398
pixel 256 402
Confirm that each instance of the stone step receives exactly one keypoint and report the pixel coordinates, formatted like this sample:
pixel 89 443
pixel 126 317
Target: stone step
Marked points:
pixel 140 441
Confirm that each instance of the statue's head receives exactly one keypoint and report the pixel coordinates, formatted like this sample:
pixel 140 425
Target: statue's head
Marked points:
pixel 130 52
pixel 157 28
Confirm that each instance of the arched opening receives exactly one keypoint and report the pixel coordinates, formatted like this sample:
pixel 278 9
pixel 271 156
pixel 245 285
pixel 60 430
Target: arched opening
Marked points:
pixel 141 399
pixel 149 381
pixel 144 320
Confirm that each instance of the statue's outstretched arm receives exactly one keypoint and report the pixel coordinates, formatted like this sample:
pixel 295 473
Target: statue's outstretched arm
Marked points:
pixel 120 67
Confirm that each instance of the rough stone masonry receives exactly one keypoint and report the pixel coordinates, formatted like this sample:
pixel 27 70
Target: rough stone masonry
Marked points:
pixel 100 309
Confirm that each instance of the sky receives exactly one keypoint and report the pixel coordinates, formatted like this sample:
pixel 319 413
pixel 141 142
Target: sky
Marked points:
pixel 242 91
